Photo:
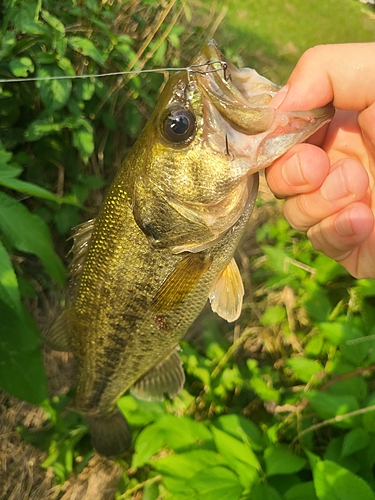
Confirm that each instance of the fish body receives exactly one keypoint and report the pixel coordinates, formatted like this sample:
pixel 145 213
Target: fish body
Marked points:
pixel 164 239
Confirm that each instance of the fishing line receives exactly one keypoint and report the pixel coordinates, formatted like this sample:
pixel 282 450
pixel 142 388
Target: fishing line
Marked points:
pixel 194 68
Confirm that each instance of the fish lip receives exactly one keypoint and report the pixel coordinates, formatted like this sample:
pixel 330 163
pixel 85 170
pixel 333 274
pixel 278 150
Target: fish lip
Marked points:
pixel 242 87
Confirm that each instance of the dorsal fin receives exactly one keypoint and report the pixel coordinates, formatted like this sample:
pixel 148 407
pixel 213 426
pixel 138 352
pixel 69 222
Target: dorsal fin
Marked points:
pixel 166 377
pixel 82 237
pixel 227 293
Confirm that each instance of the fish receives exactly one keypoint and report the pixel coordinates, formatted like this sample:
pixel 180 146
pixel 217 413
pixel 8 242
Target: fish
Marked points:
pixel 163 242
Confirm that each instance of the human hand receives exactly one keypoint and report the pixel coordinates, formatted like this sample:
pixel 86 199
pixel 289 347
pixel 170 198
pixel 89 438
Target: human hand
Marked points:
pixel 329 185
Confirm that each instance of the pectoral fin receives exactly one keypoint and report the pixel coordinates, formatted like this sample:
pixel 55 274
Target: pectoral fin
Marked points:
pixel 181 281
pixel 168 376
pixel 58 335
pixel 227 293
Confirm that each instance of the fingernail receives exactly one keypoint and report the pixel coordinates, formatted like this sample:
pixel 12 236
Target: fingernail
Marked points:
pixel 343 225
pixel 279 97
pixel 335 186
pixel 292 172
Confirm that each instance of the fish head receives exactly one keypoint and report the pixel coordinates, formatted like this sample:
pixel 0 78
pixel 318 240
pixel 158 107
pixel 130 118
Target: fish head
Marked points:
pixel 211 131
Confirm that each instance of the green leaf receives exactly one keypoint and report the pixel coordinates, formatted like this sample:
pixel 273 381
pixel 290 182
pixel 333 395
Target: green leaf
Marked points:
pixel 241 458
pixel 355 440
pixel 274 315
pixel 140 413
pixel 21 365
pixel 21 67
pixel 263 491
pixel 9 292
pixel 186 465
pixel 29 233
pixel 317 304
pixel 304 368
pixel 331 405
pixel 34 190
pixel 85 89
pixel 7 43
pixel 87 48
pixel 333 482
pixel 327 269
pixel 279 460
pixel 54 93
pixel 83 140
pixel 178 433
pixel 39 128
pixel 216 483
pixel 338 333
pixel 55 23
pixel 301 490
pixel 263 389
pixel 150 440
pixel 243 429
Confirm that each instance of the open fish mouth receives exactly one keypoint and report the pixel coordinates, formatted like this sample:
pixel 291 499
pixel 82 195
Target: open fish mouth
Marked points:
pixel 238 119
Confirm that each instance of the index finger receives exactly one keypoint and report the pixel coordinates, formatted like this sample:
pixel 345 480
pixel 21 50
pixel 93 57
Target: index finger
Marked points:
pixel 342 73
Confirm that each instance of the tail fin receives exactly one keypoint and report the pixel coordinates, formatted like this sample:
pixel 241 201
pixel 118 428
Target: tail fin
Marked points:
pixel 110 433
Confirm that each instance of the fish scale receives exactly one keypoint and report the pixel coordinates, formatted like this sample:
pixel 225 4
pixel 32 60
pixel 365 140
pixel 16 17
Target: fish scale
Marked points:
pixel 164 239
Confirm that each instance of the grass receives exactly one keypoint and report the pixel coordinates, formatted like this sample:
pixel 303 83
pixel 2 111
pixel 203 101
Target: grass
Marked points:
pixel 270 35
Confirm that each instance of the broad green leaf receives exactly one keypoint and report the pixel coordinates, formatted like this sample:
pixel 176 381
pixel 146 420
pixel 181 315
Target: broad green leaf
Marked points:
pixel 34 190
pixel 333 482
pixel 365 287
pixel 315 345
pixel 186 465
pixel 21 365
pixel 178 433
pixel 53 92
pixel 21 67
pixel 281 461
pixel 87 48
pixel 241 458
pixel 338 333
pixel 243 429
pixel 29 233
pixel 263 389
pixel 327 269
pixel 305 491
pixel 331 405
pixel 304 368
pixel 83 140
pixel 55 23
pixel 85 89
pixel 355 440
pixel 263 491
pixel 216 483
pixel 7 44
pixel 9 292
pixel 317 304
pixel 150 440
pixel 274 315
pixel 66 65
pixel 140 413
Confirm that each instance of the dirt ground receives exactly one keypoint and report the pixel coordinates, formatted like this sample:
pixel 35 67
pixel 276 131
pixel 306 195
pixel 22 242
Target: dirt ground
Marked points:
pixel 21 474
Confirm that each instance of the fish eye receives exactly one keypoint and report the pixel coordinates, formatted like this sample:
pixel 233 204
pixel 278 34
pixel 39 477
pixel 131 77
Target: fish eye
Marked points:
pixel 179 125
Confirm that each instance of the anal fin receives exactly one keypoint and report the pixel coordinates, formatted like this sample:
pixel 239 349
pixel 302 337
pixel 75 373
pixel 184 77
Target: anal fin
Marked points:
pixel 227 293
pixel 58 335
pixel 166 377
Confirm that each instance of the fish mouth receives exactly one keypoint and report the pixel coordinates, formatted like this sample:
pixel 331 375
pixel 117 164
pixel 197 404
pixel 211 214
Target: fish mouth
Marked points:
pixel 238 120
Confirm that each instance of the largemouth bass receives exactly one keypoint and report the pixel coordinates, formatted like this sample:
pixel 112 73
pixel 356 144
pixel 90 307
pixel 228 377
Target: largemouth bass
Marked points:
pixel 164 239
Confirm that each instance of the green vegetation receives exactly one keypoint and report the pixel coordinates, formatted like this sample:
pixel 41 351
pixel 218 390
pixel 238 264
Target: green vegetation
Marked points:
pixel 280 407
